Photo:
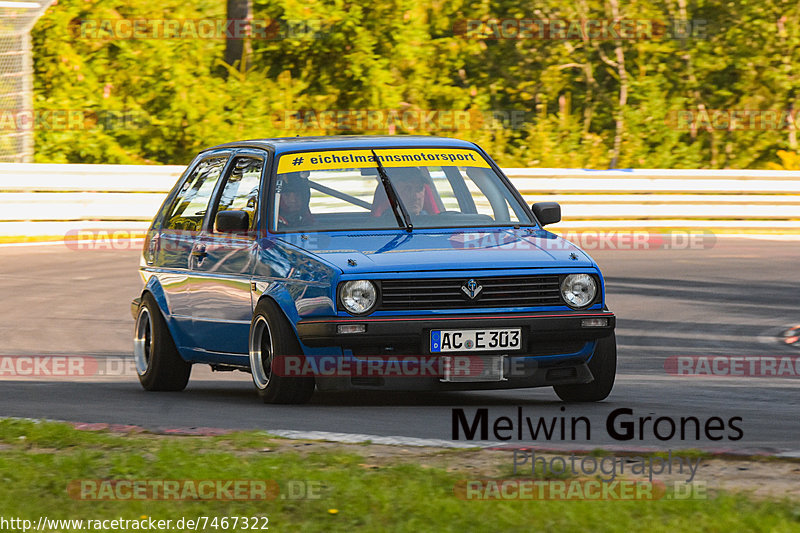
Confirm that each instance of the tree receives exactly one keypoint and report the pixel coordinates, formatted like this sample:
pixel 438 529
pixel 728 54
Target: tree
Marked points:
pixel 237 44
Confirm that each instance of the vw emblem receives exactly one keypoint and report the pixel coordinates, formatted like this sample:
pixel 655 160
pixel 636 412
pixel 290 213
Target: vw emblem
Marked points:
pixel 471 288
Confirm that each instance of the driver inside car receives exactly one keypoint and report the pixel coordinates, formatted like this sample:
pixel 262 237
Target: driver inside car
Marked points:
pixel 295 194
pixel 410 186
pixel 415 192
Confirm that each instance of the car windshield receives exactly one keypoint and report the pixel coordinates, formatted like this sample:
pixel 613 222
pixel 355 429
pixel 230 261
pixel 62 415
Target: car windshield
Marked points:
pixel 439 187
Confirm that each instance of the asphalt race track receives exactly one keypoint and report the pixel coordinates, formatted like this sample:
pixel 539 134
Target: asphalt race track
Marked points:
pixel 733 298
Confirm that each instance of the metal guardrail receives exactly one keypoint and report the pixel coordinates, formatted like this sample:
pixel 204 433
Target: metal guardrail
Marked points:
pixel 52 199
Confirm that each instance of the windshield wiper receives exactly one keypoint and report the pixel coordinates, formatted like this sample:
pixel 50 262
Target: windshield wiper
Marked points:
pixel 400 213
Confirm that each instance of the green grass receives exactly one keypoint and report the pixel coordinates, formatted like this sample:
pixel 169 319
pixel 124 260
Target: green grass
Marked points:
pixel 37 460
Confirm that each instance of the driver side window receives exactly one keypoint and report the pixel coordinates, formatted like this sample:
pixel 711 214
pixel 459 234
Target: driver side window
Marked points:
pixel 241 189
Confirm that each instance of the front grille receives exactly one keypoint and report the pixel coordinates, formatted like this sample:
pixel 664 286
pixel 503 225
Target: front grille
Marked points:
pixel 447 293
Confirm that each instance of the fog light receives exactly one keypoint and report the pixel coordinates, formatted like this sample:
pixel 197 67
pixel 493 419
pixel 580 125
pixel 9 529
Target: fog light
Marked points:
pixel 351 328
pixel 594 322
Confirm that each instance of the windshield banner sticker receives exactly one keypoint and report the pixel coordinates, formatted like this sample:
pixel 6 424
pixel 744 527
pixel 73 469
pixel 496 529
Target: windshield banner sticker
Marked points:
pixel 395 157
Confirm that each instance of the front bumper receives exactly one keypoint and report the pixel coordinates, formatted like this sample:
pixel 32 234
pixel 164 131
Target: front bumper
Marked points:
pixel 537 329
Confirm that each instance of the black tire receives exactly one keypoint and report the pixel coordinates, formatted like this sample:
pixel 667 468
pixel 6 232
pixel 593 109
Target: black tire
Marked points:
pixel 603 365
pixel 271 338
pixel 159 365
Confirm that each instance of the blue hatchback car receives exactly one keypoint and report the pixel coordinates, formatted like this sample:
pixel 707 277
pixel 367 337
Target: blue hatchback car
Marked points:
pixel 384 263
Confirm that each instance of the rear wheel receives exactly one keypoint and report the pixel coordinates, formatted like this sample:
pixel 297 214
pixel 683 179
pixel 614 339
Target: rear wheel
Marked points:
pixel 603 365
pixel 158 363
pixel 271 340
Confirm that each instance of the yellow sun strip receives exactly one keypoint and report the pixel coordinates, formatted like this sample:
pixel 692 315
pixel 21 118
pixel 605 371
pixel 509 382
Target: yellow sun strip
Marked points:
pixel 393 157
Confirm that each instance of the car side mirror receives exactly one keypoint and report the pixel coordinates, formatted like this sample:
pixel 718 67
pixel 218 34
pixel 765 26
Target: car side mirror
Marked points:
pixel 232 221
pixel 547 212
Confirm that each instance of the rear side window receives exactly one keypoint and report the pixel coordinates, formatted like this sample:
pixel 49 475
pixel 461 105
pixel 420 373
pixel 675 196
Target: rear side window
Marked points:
pixel 192 201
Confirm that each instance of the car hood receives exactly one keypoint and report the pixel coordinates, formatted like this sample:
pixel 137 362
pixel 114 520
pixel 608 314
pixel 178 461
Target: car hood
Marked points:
pixel 391 251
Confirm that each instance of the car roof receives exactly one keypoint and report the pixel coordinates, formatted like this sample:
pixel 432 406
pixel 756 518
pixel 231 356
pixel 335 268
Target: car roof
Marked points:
pixel 332 142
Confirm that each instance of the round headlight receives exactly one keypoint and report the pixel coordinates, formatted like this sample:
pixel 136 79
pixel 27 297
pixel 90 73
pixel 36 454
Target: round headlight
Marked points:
pixel 359 296
pixel 578 290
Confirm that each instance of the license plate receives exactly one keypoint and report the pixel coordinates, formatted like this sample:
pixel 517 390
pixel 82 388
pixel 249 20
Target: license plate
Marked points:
pixel 475 340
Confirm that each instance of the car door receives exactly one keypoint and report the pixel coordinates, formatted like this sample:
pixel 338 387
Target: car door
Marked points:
pixel 222 263
pixel 171 247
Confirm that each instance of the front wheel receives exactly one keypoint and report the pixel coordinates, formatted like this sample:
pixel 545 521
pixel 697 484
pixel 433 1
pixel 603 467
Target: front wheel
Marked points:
pixel 603 365
pixel 271 339
pixel 159 365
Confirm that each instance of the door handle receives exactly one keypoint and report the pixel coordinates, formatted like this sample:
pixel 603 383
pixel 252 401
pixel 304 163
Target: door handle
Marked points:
pixel 199 251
